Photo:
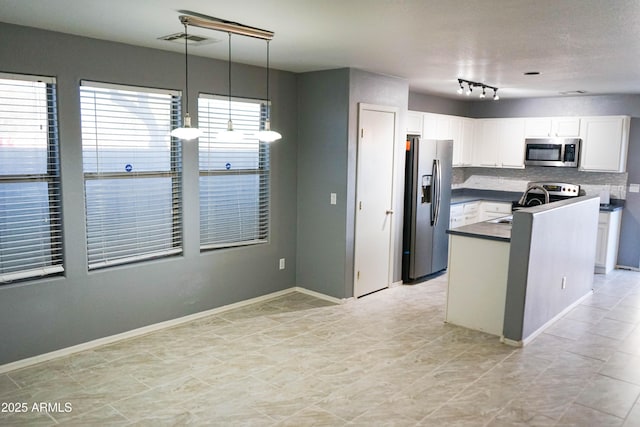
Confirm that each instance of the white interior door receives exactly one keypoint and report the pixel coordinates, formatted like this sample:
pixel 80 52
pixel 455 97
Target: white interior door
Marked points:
pixel 374 199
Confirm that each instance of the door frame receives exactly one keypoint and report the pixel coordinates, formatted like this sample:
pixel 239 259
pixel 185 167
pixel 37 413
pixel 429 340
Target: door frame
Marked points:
pixel 392 232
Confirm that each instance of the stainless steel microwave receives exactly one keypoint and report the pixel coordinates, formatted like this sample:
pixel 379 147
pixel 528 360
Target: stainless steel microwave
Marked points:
pixel 558 152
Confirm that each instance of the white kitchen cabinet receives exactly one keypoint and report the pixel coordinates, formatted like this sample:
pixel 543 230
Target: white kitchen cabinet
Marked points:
pixel 492 210
pixel 500 143
pixel 605 142
pixel 462 133
pixel 607 242
pixel 414 123
pixel 550 127
pixel 437 126
pixel 463 214
pixel 456 215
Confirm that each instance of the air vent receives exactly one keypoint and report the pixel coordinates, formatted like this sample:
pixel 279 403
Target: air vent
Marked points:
pixel 192 39
pixel 574 92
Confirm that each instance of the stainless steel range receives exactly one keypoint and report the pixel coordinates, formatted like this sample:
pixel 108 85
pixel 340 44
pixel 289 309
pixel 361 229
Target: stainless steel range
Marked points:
pixel 539 193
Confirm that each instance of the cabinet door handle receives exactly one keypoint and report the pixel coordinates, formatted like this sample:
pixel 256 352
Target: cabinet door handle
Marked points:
pixel 389 211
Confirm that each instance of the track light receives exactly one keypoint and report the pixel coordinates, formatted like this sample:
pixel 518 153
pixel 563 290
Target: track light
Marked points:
pixel 471 85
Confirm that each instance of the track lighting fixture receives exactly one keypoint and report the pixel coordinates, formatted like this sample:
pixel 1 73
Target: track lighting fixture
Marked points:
pixel 471 85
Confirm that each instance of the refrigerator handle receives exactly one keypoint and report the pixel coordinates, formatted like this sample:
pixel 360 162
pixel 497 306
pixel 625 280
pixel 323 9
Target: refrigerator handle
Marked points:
pixel 436 191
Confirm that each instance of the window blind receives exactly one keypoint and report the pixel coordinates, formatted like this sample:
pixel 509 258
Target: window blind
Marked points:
pixel 30 199
pixel 132 171
pixel 234 175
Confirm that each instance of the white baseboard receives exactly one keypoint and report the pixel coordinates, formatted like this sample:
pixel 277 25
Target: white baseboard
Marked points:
pixel 63 352
pixel 626 267
pixel 394 284
pixel 321 296
pixel 541 329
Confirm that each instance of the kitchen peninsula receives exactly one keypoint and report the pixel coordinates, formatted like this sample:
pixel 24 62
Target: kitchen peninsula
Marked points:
pixel 512 277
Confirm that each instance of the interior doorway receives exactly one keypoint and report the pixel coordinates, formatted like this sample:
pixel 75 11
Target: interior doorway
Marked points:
pixel 373 257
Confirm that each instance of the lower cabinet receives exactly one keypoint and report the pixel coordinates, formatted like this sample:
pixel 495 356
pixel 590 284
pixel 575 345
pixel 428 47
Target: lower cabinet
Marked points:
pixel 607 243
pixel 471 212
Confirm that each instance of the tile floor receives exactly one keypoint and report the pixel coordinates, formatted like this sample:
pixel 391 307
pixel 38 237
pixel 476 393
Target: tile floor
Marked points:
pixel 386 359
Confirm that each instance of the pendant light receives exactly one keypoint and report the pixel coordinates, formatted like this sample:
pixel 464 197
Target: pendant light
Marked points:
pixel 186 132
pixel 268 135
pixel 230 134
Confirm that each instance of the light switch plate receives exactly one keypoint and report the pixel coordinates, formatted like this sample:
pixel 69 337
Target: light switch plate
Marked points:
pixel 634 188
pixel 334 198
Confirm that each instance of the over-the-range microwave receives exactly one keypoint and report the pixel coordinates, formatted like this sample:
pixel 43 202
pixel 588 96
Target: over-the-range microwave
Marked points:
pixel 558 152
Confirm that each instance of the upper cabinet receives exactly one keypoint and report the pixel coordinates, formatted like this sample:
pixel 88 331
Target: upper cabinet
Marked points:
pixel 605 141
pixel 499 143
pixel 551 127
pixel 414 123
pixel 458 129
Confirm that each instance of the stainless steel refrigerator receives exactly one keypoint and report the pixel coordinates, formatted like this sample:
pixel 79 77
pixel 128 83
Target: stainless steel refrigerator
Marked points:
pixel 426 207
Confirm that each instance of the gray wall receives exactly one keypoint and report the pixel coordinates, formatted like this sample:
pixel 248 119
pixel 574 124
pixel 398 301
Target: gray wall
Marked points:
pixel 44 315
pixel 436 104
pixel 327 153
pixel 323 126
pixel 547 245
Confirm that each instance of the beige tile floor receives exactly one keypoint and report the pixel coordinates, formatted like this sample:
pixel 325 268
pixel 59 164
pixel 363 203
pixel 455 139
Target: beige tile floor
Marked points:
pixel 386 359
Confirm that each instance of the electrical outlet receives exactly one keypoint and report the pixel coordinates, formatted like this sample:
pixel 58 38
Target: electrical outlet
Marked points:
pixel 634 188
pixel 334 198
pixel 564 282
pixel 281 263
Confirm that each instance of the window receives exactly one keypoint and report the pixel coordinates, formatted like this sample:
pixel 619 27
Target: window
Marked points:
pixel 30 207
pixel 132 173
pixel 234 175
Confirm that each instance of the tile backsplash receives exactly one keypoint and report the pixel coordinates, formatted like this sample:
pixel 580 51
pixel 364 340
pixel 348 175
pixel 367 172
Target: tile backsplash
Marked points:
pixel 593 183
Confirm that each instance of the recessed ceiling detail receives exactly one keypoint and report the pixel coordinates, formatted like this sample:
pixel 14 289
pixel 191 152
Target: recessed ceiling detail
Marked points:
pixel 192 39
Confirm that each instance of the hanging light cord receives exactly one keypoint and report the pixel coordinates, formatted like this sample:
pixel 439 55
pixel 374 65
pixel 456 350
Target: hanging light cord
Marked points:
pixel 229 76
pixel 268 71
pixel 186 69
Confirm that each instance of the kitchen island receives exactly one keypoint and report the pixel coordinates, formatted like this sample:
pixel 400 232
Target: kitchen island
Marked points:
pixel 513 278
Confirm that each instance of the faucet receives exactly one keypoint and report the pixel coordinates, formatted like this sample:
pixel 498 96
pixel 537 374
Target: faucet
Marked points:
pixel 523 199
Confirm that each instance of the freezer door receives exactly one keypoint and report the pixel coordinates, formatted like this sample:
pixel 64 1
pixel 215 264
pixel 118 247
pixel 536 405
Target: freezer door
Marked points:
pixel 422 231
pixel 440 241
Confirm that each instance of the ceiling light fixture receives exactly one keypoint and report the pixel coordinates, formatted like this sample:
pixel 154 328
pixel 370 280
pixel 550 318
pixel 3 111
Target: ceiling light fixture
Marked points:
pixel 268 135
pixel 470 85
pixel 186 132
pixel 230 134
pixel 209 22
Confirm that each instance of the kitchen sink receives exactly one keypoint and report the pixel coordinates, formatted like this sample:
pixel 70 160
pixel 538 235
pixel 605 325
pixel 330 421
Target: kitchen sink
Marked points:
pixel 502 220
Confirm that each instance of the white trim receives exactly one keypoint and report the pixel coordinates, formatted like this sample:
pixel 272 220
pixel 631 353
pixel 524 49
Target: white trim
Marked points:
pixel 321 296
pixel 23 363
pixel 130 88
pixel 28 78
pixel 395 284
pixel 541 329
pixel 626 267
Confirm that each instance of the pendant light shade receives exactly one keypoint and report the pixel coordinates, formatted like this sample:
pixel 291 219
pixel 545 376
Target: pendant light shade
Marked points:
pixel 186 132
pixel 268 135
pixel 230 134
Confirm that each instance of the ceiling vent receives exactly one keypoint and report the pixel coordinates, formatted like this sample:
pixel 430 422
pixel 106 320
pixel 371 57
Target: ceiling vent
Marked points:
pixel 574 92
pixel 192 39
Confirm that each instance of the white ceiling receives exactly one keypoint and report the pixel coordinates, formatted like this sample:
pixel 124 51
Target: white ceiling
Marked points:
pixel 590 45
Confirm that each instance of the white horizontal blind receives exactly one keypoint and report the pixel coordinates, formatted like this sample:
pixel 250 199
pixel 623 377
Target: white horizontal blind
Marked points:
pixel 234 175
pixel 30 200
pixel 132 170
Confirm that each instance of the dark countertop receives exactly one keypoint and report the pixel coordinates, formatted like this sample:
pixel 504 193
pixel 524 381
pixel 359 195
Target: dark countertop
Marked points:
pixel 484 230
pixel 465 195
